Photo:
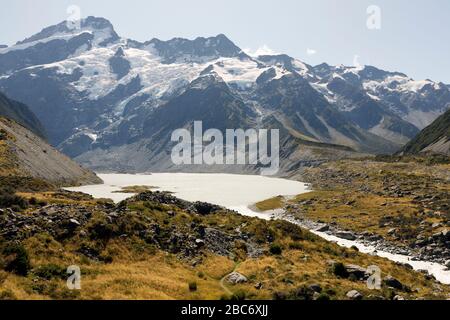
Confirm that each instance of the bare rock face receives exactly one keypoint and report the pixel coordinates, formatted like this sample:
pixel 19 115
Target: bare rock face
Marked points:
pixel 28 155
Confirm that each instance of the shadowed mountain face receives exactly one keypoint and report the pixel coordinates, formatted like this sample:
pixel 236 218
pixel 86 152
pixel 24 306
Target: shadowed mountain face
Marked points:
pixel 433 139
pixel 100 96
pixel 21 114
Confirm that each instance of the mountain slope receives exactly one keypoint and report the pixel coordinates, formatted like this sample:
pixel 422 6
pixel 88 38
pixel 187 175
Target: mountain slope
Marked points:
pixel 21 114
pixel 434 139
pixel 23 154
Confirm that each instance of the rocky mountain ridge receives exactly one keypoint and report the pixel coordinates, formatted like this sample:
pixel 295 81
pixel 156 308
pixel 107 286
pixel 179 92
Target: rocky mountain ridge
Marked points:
pixel 100 96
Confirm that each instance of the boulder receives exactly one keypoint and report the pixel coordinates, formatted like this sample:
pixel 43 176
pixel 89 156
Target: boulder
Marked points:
pixel 358 272
pixel 392 231
pixel 236 277
pixel 346 235
pixel 354 295
pixel 74 223
pixel 315 287
pixel 323 228
pixel 447 264
pixel 199 243
pixel 446 234
pixel 393 283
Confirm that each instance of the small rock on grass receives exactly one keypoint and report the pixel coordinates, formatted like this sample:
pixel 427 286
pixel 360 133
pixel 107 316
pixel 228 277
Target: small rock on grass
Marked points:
pixel 236 277
pixel 354 295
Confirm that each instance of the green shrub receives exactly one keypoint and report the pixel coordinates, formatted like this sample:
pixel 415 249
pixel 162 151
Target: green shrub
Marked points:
pixel 3 277
pixel 10 200
pixel 17 260
pixel 42 203
pixel 290 230
pixel 7 295
pixel 193 286
pixel 323 297
pixel 330 291
pixel 279 296
pixel 50 271
pixel 55 290
pixel 353 278
pixel 275 249
pixel 296 246
pixel 100 228
pixel 3 134
pixel 302 293
pixel 239 295
pixel 339 270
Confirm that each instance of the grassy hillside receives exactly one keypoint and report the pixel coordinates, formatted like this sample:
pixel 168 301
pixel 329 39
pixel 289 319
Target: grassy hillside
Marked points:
pixel 155 246
pixel 403 201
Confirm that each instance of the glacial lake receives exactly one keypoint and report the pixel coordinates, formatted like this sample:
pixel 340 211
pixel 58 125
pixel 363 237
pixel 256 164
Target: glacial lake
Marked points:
pixel 235 192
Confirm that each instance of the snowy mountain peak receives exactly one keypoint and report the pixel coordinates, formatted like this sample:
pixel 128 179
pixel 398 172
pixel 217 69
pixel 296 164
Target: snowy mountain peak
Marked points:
pixel 90 24
pixel 199 50
pixel 283 61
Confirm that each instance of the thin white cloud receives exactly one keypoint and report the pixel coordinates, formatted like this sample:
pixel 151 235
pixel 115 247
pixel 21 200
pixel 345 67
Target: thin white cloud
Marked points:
pixel 261 51
pixel 311 52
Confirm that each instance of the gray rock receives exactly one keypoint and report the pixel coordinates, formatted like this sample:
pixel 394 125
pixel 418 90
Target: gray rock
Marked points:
pixel 199 242
pixel 316 288
pixel 354 295
pixel 359 272
pixel 393 283
pixel 74 223
pixel 392 231
pixel 236 277
pixel 447 264
pixel 323 228
pixel 346 235
pixel 398 298
pixel 83 234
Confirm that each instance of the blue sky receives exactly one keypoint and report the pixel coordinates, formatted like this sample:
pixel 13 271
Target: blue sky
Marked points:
pixel 413 38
